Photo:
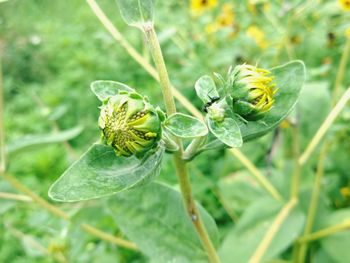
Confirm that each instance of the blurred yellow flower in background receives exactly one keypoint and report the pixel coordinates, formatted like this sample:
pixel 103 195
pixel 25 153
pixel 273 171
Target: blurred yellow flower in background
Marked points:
pixel 253 6
pixel 345 191
pixel 226 19
pixel 347 32
pixel 199 6
pixel 344 4
pixel 258 36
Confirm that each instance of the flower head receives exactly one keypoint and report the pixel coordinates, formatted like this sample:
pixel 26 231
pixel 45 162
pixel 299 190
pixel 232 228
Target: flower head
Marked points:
pixel 130 124
pixel 258 36
pixel 344 4
pixel 251 91
pixel 199 6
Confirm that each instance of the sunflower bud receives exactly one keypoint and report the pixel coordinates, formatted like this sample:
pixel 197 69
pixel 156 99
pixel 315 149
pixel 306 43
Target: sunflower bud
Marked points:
pixel 130 124
pixel 251 91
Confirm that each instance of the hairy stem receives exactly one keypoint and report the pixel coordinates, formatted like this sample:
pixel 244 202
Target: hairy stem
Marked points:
pixel 180 165
pixel 314 201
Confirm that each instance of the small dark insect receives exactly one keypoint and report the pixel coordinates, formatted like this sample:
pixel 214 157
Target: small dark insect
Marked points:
pixel 209 103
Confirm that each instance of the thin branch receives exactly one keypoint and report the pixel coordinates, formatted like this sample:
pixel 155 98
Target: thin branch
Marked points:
pixel 59 213
pixel 272 231
pixel 15 197
pixel 324 127
pixel 314 201
pixel 257 174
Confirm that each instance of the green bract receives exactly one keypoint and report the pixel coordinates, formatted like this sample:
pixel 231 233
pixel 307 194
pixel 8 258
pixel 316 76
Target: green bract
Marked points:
pixel 250 91
pixel 129 123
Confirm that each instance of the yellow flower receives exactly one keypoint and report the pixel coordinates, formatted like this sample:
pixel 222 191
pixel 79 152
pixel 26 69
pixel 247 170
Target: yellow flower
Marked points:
pixel 258 36
pixel 284 124
pixel 199 6
pixel 345 191
pixel 344 4
pixel 252 91
pixel 347 32
pixel 226 18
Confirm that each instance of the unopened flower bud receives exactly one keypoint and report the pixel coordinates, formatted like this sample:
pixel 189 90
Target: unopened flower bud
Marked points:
pixel 130 124
pixel 251 91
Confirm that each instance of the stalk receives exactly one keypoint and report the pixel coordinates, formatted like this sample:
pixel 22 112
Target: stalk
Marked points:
pixel 314 201
pixel 180 165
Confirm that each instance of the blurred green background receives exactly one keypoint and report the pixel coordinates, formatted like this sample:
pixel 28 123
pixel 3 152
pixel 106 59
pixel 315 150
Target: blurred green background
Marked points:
pixel 53 50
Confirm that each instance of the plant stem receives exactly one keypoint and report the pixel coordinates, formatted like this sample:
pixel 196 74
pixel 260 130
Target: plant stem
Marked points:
pixel 180 164
pixel 272 231
pixel 58 212
pixel 11 196
pixel 2 128
pixel 193 147
pixel 325 232
pixel 182 99
pixel 314 201
pixel 325 126
pixel 294 192
pixel 257 174
pixel 341 70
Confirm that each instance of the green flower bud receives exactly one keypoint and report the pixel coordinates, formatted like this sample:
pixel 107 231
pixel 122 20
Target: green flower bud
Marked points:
pixel 130 124
pixel 251 91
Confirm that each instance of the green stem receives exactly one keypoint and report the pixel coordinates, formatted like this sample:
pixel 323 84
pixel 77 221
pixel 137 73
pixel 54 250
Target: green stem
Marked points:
pixel 341 70
pixel 314 202
pixel 2 128
pixel 297 167
pixel 272 231
pixel 193 147
pixel 325 232
pixel 180 164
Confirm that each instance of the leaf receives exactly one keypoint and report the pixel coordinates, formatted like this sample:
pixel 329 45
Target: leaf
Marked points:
pixel 239 191
pixel 99 172
pixel 155 219
pixel 104 89
pixel 337 245
pixel 226 131
pixel 206 89
pixel 29 141
pixel 185 126
pixel 136 12
pixel 246 236
pixel 314 95
pixel 289 79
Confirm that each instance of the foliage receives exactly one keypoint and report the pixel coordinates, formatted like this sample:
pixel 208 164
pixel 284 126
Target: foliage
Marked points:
pixel 55 50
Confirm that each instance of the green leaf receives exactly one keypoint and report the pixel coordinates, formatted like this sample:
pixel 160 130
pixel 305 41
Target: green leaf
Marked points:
pixel 99 172
pixel 226 131
pixel 185 126
pixel 246 236
pixel 104 89
pixel 206 88
pixel 289 78
pixel 314 95
pixel 136 12
pixel 239 191
pixel 337 245
pixel 155 219
pixel 30 141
